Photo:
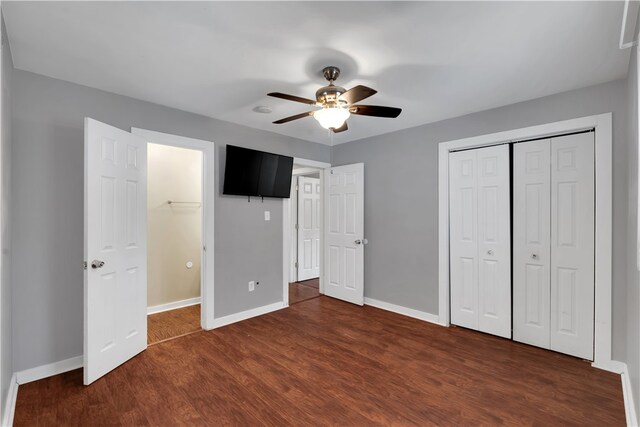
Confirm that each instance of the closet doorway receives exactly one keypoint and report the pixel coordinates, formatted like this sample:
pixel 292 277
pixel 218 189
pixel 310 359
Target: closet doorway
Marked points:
pixel 306 234
pixel 601 167
pixel 174 241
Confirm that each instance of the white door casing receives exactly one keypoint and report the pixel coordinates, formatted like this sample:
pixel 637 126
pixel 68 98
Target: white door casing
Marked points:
pixel 308 228
pixel 344 233
pixel 572 244
pixel 463 189
pixel 480 239
pixel 494 241
pixel 115 233
pixel 531 242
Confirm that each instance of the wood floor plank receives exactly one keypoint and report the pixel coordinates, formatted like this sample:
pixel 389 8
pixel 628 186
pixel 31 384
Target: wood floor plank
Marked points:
pixel 172 323
pixel 325 362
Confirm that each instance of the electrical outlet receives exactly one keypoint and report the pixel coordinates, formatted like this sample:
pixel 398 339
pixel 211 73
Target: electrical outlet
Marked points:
pixel 252 286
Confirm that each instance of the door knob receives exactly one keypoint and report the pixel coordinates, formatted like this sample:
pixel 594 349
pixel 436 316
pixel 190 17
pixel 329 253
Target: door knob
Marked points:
pixel 96 263
pixel 490 252
pixel 534 256
pixel 358 242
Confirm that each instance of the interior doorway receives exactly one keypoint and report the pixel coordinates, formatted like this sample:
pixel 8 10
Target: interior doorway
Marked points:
pixel 306 234
pixel 174 241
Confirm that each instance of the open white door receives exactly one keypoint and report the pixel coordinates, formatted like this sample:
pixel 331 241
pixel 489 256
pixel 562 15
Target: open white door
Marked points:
pixel 308 228
pixel 344 235
pixel 115 244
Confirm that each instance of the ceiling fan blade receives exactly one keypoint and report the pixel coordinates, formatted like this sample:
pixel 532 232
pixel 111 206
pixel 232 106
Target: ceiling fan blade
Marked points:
pixel 292 118
pixel 341 128
pixel 357 94
pixel 292 98
pixel 375 110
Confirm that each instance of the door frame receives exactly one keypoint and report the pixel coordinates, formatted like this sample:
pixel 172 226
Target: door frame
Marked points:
pixel 286 229
pixel 207 288
pixel 602 123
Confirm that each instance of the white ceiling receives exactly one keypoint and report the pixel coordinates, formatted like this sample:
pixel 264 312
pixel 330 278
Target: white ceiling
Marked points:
pixel 435 60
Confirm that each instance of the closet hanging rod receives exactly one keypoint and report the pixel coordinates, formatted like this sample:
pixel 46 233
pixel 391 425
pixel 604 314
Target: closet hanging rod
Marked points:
pixel 171 202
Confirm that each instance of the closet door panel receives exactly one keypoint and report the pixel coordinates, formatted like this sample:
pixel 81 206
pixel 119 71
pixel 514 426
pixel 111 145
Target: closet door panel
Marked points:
pixel 463 237
pixel 531 242
pixel 494 240
pixel 572 244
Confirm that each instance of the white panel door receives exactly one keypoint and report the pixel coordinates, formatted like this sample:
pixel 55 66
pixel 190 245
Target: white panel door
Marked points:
pixel 463 235
pixel 572 244
pixel 115 240
pixel 494 240
pixel 344 233
pixel 531 242
pixel 308 228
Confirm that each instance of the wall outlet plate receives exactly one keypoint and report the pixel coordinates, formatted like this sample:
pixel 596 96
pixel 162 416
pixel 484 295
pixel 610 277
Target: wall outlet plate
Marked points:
pixel 252 286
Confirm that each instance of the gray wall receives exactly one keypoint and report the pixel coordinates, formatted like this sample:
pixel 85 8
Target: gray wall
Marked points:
pixel 633 278
pixel 401 199
pixel 48 210
pixel 6 358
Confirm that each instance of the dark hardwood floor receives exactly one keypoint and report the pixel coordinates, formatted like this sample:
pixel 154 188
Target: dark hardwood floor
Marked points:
pixel 305 290
pixel 172 323
pixel 326 362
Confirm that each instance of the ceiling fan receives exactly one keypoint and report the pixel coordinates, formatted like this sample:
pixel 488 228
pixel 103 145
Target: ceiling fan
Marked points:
pixel 337 104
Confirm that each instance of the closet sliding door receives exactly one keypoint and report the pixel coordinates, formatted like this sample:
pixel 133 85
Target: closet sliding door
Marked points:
pixel 572 244
pixel 480 235
pixel 553 244
pixel 532 242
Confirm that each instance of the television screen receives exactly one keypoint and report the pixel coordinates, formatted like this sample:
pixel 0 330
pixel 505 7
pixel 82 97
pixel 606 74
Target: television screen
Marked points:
pixel 256 173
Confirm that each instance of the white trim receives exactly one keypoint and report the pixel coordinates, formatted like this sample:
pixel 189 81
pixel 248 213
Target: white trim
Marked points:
pixel 627 393
pixel 286 229
pixel 631 18
pixel 310 163
pixel 49 370
pixel 248 314
pixel 208 197
pixel 9 408
pixel 173 305
pixel 604 185
pixel 405 311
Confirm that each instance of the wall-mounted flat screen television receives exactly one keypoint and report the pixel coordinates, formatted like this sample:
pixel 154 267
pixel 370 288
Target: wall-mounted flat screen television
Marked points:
pixel 257 173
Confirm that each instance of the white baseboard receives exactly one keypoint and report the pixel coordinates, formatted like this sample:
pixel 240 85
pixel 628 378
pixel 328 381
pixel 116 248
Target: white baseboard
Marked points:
pixel 405 311
pixel 44 371
pixel 611 366
pixel 173 305
pixel 627 392
pixel 9 407
pixel 243 315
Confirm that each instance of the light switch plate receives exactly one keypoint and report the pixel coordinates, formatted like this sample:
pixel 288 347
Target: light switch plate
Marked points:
pixel 267 215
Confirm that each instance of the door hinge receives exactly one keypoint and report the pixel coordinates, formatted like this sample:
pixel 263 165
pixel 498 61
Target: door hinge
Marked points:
pixel 204 248
pixel 297 188
pixel 296 264
pixel 296 226
pixel 84 265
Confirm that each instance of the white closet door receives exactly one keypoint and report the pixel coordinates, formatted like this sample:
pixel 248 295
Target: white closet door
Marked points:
pixel 480 240
pixel 308 228
pixel 494 241
pixel 531 242
pixel 572 244
pixel 463 237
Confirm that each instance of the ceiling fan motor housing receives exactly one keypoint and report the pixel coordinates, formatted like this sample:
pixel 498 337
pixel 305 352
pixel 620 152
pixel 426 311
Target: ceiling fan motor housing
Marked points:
pixel 328 96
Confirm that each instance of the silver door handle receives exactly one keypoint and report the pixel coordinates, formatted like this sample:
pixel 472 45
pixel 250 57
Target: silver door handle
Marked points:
pixel 490 252
pixel 96 263
pixel 358 242
pixel 534 256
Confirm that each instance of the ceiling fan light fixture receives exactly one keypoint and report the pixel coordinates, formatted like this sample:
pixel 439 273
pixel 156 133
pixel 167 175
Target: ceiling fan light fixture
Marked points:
pixel 331 117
